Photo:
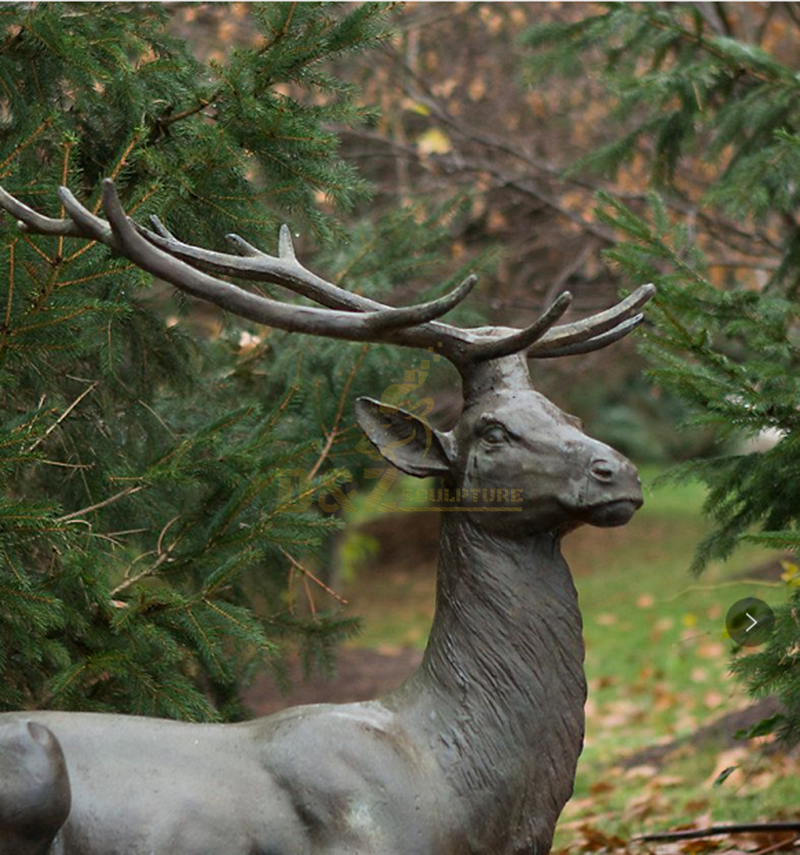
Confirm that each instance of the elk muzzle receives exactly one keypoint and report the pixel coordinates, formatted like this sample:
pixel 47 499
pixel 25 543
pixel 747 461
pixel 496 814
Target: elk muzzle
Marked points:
pixel 612 491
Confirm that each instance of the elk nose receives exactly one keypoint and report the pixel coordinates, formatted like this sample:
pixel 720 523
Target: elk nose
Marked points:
pixel 603 470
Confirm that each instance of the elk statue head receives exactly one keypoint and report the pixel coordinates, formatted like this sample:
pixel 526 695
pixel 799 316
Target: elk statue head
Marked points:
pixel 476 752
pixel 508 433
pixel 512 451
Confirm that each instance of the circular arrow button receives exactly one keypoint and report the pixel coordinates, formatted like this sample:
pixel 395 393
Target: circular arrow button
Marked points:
pixel 750 622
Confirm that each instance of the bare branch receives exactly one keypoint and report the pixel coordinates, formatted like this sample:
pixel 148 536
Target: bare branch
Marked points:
pixel 128 491
pixel 738 828
pixel 306 572
pixel 63 415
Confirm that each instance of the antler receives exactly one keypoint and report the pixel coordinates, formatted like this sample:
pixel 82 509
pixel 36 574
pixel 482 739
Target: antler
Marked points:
pixel 594 332
pixel 346 315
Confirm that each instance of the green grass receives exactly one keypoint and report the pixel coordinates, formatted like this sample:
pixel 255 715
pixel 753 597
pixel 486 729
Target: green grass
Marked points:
pixel 658 668
pixel 657 663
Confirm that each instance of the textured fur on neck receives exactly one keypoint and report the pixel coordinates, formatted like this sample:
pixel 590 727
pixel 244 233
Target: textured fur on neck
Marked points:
pixel 505 667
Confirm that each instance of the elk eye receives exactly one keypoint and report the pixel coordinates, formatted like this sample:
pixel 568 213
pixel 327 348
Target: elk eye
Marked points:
pixel 495 435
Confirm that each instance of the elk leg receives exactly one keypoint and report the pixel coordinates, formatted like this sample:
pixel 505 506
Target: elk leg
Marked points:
pixel 35 797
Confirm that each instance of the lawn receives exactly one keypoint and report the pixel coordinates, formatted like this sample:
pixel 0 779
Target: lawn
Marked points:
pixel 657 664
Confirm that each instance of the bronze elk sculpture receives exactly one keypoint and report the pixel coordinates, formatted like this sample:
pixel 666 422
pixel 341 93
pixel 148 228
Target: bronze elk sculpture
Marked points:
pixel 476 752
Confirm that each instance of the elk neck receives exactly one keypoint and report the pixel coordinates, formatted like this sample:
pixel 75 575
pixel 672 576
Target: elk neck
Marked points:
pixel 501 690
pixel 508 372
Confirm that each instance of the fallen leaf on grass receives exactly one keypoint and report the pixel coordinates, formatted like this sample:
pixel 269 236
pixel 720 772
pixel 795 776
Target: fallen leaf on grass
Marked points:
pixel 595 840
pixel 646 804
pixel 714 699
pixel 711 650
pixel 772 840
pixel 728 768
pixel 620 713
pixel 600 788
pixel 665 698
pixel 666 781
pixel 640 772
pixel 666 848
pixel 661 626
pixel 575 808
pixel 791 573
pixel 704 844
pixel 685 723
pixel 762 777
pixel 648 672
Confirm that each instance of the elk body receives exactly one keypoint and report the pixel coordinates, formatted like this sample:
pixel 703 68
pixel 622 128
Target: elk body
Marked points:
pixel 476 752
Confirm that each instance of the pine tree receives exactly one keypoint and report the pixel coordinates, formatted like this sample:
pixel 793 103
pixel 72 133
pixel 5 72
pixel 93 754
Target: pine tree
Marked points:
pixel 147 533
pixel 715 118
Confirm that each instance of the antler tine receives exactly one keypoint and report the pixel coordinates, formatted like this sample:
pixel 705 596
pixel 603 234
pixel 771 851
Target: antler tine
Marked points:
pixel 285 244
pixel 391 318
pixel 242 247
pixel 568 339
pixel 256 266
pixel 595 343
pixel 518 341
pixel 158 227
pixel 159 230
pixel 31 221
pixel 89 224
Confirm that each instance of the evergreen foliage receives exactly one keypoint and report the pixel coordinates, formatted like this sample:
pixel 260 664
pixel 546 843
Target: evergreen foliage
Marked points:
pixel 147 531
pixel 702 104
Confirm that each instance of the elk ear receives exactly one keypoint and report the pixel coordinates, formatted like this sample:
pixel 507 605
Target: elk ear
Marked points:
pixel 406 441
